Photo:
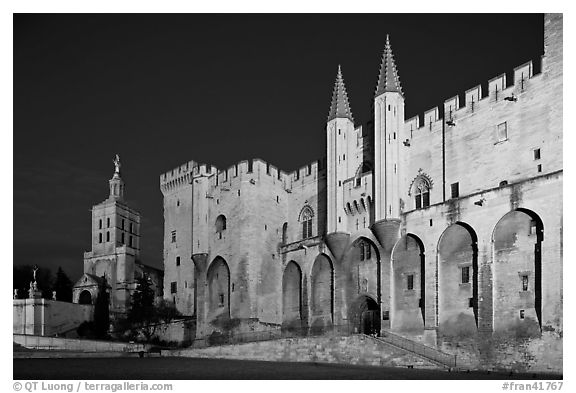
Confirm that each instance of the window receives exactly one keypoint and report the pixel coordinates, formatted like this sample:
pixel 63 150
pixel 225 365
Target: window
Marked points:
pixel 221 300
pixel 536 154
pixel 539 168
pixel 521 314
pixel 173 236
pixel 306 219
pixel 122 238
pixel 130 242
pixel 108 222
pixel 107 236
pixel 410 282
pixel 465 274
pixel 220 225
pixel 122 223
pixel 177 261
pixel 455 190
pixel 131 227
pixel 524 283
pixel 173 287
pixel 365 250
pixel 358 182
pixel 100 238
pixel 502 130
pixel 99 224
pixel 420 188
pixel 285 233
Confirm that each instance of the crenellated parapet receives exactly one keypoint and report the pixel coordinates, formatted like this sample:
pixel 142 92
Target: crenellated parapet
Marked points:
pixel 476 100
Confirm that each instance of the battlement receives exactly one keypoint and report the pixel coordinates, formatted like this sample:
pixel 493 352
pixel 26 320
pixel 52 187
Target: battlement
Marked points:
pixel 475 99
pixel 184 173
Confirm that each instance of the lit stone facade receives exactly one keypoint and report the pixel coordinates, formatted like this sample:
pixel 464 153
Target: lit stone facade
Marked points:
pixel 447 230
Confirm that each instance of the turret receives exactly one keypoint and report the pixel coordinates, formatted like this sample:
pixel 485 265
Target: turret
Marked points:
pixel 340 125
pixel 388 134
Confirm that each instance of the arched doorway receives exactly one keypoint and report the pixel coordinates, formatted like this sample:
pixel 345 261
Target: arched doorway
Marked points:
pixel 292 295
pixel 322 299
pixel 85 297
pixel 517 282
pixel 408 284
pixel 458 281
pixel 365 316
pixel 218 277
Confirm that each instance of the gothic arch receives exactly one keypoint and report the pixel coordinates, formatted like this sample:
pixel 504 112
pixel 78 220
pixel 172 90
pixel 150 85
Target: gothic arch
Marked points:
pixel 322 283
pixel 292 295
pixel 218 279
pixel 517 268
pixel 457 297
pixel 85 297
pixel 408 284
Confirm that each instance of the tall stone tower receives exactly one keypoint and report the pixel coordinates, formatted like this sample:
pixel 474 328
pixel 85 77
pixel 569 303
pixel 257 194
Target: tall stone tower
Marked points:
pixel 340 125
pixel 115 248
pixel 388 130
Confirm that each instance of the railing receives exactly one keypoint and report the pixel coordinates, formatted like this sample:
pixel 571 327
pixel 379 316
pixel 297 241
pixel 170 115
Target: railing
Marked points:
pixel 267 335
pixel 425 351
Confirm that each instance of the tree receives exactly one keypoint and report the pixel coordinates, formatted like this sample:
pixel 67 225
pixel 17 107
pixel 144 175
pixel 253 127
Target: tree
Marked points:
pixel 144 315
pixel 63 286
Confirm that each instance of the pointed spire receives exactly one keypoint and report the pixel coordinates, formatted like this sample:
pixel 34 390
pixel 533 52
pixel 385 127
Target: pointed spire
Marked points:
pixel 340 107
pixel 388 79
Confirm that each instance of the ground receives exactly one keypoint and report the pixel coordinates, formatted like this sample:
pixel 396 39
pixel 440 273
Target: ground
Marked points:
pixel 166 368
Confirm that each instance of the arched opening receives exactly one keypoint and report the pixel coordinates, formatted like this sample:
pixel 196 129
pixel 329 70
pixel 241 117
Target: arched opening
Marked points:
pixel 218 277
pixel 292 295
pixel 457 300
pixel 85 297
pixel 365 315
pixel 305 218
pixel 517 282
pixel 220 225
pixel 361 277
pixel 408 284
pixel 322 299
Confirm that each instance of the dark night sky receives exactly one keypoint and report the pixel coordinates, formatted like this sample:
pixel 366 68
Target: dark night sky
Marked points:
pixel 162 89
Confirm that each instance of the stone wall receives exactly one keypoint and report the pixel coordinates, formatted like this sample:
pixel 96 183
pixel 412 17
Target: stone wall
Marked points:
pixel 348 350
pixel 48 317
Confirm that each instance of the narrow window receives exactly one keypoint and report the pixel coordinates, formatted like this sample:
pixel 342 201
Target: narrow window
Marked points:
pixel 122 238
pixel 177 261
pixel 368 250
pixel 339 183
pixel 426 198
pixel 358 182
pixel 455 190
pixel 465 274
pixel 364 223
pixel 236 170
pixel 173 236
pixel 524 283
pixel 130 242
pixel 410 282
pixel 221 300
pixel 123 223
pixel 536 154
pixel 173 287
pixel 362 256
pixel 100 238
pixel 521 314
pixel 108 222
pixel 539 168
pixel 131 227
pixel 220 225
pixel 107 236
pixel 502 132
pixel 306 219
pixel 99 224
pixel 178 202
